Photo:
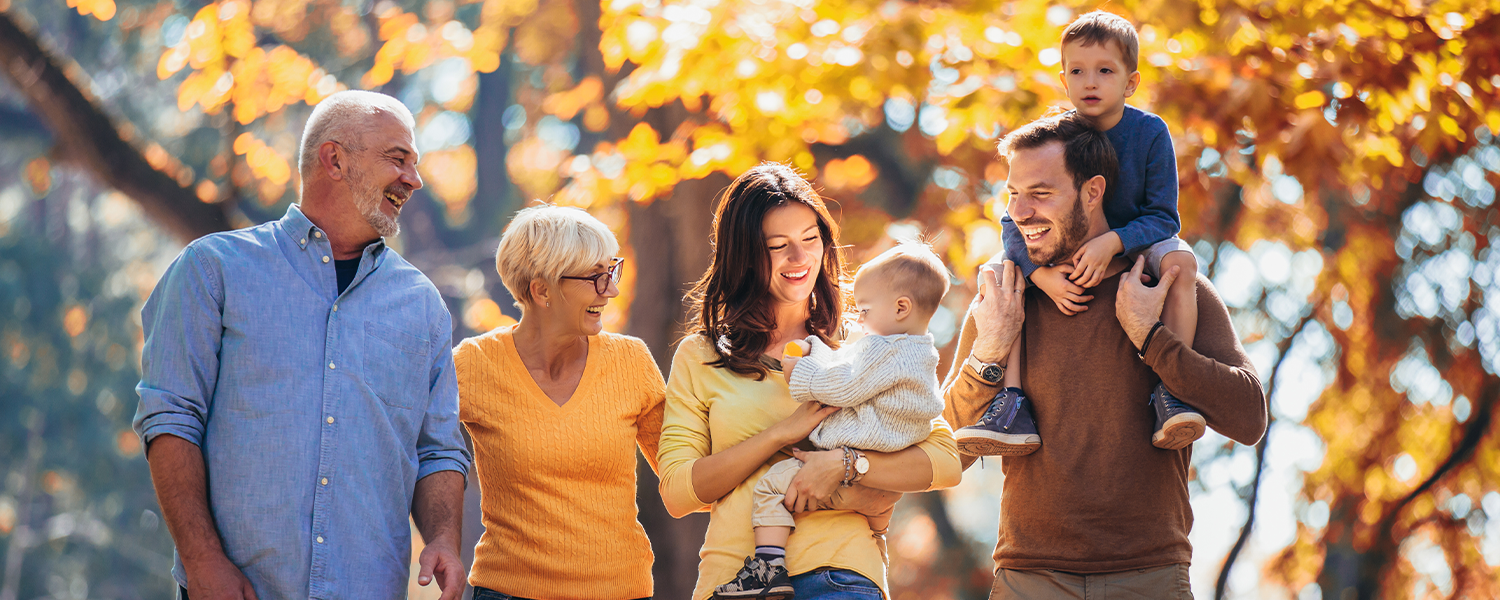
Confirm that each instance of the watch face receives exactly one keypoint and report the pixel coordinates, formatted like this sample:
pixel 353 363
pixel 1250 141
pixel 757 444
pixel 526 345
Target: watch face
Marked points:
pixel 862 465
pixel 991 373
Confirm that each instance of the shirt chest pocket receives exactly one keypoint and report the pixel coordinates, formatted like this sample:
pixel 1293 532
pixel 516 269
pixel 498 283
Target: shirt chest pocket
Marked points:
pixel 395 365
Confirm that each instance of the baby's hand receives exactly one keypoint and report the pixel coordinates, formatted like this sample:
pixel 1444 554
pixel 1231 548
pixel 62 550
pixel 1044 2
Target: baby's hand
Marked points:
pixel 793 352
pixel 1090 261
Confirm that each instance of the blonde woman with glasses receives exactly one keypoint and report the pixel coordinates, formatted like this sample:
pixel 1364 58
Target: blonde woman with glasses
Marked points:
pixel 556 407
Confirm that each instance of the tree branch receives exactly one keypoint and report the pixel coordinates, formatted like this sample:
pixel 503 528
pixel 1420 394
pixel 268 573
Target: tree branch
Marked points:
pixel 1221 584
pixel 1373 564
pixel 86 135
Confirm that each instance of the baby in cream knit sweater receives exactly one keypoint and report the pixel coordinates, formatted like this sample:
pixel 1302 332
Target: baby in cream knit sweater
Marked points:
pixel 886 384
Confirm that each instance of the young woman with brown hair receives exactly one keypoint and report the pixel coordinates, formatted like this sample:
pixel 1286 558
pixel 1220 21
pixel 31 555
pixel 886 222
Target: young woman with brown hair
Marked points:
pixel 777 276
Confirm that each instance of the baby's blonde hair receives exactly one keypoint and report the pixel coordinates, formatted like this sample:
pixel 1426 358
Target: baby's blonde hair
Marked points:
pixel 912 269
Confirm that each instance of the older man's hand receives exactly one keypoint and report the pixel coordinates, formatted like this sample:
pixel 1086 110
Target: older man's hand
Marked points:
pixel 998 309
pixel 1139 307
pixel 439 562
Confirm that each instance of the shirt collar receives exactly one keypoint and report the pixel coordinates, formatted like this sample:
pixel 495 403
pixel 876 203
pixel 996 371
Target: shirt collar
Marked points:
pixel 302 231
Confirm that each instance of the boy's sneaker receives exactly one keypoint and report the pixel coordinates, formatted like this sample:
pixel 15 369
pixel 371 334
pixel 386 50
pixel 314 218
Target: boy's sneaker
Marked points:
pixel 1177 424
pixel 759 578
pixel 1006 429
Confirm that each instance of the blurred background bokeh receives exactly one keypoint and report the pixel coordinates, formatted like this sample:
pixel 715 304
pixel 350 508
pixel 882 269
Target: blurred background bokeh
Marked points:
pixel 1337 159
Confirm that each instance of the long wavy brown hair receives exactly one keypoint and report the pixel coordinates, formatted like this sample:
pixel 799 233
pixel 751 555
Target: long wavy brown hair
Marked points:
pixel 731 304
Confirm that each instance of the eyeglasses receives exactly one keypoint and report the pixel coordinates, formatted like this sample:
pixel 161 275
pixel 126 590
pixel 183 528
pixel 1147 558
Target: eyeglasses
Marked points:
pixel 602 280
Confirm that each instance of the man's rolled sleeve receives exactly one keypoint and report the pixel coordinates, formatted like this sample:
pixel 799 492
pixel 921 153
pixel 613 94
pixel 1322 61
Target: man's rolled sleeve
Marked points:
pixel 1214 375
pixel 182 322
pixel 965 395
pixel 440 445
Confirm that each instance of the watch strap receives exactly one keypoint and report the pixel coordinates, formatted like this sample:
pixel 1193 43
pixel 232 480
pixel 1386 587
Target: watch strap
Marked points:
pixel 979 367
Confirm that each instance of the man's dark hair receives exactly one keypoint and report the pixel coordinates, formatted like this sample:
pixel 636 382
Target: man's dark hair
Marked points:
pixel 1086 151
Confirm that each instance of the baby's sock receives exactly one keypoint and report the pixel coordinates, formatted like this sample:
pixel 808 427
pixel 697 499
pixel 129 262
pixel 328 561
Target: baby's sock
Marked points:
pixel 767 553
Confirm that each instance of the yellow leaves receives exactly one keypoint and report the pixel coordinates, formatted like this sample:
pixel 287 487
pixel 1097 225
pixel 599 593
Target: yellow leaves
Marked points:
pixel 853 173
pixel 103 10
pixel 172 61
pixel 533 167
pixel 1245 36
pixel 1309 99
pixel 451 175
pixel 566 104
pixel 547 34
pixel 264 161
pixel 268 81
pixel 219 44
pixel 411 46
pixel 1382 146
pixel 641 143
pixel 483 314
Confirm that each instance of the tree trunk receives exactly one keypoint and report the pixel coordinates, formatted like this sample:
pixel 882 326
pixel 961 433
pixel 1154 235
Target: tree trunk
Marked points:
pixel 89 137
pixel 671 235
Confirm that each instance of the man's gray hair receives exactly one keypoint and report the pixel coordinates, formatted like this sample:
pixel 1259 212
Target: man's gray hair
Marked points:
pixel 345 117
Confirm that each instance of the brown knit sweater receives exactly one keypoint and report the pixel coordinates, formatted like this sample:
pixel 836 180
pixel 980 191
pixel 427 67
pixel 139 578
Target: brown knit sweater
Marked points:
pixel 1097 497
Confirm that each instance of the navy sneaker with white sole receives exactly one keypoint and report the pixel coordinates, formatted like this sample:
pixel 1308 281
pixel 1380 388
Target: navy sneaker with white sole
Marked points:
pixel 1177 425
pixel 1006 429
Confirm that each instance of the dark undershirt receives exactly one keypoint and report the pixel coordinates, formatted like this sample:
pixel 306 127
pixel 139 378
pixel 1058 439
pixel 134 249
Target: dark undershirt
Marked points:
pixel 346 269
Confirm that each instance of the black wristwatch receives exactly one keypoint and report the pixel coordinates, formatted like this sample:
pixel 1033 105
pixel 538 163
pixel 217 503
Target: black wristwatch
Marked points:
pixel 991 373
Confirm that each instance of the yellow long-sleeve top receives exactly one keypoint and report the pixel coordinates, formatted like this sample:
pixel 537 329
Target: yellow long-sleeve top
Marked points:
pixel 711 409
pixel 558 483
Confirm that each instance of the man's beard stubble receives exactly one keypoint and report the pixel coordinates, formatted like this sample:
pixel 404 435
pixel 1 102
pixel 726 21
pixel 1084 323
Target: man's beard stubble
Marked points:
pixel 367 199
pixel 1069 237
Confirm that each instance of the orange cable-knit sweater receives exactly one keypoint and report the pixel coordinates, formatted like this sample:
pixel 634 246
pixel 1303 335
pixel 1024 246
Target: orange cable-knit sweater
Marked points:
pixel 558 482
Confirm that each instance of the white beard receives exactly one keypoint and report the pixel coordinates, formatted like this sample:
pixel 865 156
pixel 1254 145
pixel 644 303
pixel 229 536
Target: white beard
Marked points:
pixel 368 198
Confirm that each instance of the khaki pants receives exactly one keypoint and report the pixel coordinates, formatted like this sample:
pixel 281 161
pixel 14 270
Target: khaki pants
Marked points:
pixel 771 490
pixel 1163 583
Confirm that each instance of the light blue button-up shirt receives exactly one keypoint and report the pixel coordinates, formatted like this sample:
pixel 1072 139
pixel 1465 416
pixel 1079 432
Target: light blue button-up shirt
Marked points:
pixel 317 412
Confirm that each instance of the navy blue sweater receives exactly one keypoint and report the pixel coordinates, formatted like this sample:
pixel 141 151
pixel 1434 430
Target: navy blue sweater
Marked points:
pixel 1141 203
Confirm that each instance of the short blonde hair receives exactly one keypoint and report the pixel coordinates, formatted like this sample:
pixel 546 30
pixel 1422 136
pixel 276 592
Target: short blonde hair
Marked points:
pixel 913 270
pixel 547 242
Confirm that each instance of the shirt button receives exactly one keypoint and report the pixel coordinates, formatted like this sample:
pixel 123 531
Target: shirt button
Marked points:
pixel 330 365
pixel 318 234
pixel 325 260
pixel 330 420
pixel 335 308
pixel 304 241
pixel 320 539
pixel 325 481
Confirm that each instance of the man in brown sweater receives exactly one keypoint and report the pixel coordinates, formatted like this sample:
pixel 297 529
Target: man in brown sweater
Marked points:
pixel 1096 510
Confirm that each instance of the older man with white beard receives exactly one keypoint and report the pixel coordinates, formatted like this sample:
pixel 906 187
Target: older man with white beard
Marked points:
pixel 1096 511
pixel 298 397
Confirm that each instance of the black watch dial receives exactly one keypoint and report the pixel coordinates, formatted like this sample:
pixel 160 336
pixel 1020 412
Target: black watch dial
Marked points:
pixel 992 373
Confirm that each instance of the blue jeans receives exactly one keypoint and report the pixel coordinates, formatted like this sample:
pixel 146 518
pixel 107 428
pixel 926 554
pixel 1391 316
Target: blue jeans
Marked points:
pixel 834 584
pixel 489 594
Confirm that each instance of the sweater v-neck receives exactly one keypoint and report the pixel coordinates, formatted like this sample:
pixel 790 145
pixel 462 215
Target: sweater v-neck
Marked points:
pixel 535 390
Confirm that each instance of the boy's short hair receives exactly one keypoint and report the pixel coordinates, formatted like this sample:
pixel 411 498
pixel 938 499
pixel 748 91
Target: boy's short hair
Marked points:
pixel 1101 27
pixel 1087 152
pixel 913 270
